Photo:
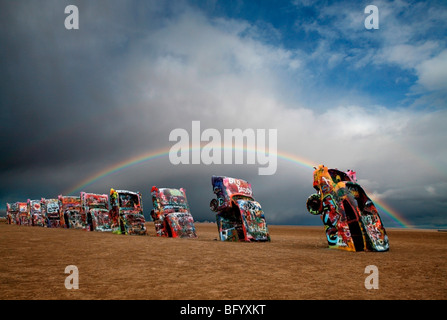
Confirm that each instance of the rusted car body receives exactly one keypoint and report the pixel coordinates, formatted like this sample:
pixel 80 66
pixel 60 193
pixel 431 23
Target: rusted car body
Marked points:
pixel 23 217
pixel 70 210
pixel 50 208
pixel 351 220
pixel 36 214
pixel 95 210
pixel 171 213
pixel 12 211
pixel 127 212
pixel 239 216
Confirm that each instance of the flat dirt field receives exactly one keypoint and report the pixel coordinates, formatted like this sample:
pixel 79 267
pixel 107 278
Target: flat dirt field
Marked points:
pixel 295 265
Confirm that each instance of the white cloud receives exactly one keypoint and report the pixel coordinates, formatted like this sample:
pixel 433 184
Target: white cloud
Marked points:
pixel 410 37
pixel 202 72
pixel 407 56
pixel 433 72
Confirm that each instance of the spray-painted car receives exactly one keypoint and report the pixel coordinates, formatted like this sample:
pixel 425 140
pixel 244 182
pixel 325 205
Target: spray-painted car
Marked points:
pixel 12 212
pixel 171 213
pixel 50 208
pixel 95 209
pixel 70 210
pixel 239 217
pixel 23 217
pixel 351 220
pixel 36 214
pixel 127 212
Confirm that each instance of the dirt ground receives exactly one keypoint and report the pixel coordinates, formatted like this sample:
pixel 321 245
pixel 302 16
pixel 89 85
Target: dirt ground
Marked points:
pixel 296 265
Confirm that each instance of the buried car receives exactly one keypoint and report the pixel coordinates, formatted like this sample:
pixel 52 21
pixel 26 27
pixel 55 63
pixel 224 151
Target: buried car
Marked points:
pixel 95 211
pixel 239 217
pixel 70 209
pixel 12 211
pixel 23 217
pixel 171 214
pixel 127 212
pixel 36 214
pixel 351 220
pixel 50 209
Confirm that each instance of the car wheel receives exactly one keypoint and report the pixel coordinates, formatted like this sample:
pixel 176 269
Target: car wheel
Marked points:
pixel 213 205
pixel 313 204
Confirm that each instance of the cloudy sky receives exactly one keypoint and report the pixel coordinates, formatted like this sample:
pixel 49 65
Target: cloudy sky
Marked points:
pixel 75 102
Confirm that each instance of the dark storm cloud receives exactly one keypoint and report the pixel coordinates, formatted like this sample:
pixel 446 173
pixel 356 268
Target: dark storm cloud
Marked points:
pixel 57 90
pixel 67 106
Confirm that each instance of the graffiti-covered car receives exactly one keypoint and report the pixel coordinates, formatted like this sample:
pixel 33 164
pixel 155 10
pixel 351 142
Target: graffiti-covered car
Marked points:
pixel 36 214
pixel 239 216
pixel 23 217
pixel 351 220
pixel 12 211
pixel 171 213
pixel 50 208
pixel 127 212
pixel 70 210
pixel 95 209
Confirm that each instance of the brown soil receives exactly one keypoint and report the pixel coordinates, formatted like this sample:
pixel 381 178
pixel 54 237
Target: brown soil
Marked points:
pixel 296 265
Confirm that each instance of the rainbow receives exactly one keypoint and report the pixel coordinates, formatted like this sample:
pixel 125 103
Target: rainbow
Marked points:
pixel 150 155
pixel 392 213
